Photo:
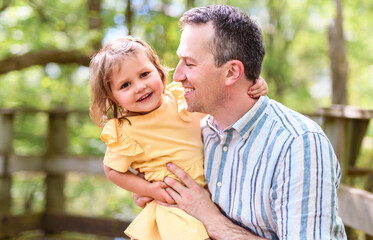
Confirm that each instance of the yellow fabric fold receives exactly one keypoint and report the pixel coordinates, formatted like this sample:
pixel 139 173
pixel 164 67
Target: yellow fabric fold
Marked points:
pixel 119 143
pixel 157 222
pixel 177 90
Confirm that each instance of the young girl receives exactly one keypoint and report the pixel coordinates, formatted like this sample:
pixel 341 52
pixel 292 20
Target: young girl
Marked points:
pixel 145 126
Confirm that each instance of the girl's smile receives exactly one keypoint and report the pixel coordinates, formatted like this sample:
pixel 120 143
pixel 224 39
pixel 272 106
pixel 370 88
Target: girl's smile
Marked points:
pixel 145 97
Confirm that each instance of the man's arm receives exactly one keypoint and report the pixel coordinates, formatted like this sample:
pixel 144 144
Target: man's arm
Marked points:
pixel 197 202
pixel 304 196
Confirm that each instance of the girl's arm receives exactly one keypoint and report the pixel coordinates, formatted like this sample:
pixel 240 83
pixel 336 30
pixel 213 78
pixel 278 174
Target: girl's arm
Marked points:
pixel 138 185
pixel 259 88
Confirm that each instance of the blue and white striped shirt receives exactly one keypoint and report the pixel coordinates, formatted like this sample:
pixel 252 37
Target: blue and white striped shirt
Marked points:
pixel 275 172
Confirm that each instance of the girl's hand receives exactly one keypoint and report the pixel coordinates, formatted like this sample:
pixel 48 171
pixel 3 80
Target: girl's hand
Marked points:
pixel 158 191
pixel 260 88
pixel 141 201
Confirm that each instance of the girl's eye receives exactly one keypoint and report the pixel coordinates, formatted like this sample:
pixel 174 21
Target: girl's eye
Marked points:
pixel 144 74
pixel 189 64
pixel 125 85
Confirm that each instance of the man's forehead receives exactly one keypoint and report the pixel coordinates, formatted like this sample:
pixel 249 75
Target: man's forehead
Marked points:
pixel 195 39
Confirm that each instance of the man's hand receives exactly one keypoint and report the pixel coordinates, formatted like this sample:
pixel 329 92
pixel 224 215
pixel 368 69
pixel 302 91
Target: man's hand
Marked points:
pixel 195 200
pixel 158 191
pixel 190 197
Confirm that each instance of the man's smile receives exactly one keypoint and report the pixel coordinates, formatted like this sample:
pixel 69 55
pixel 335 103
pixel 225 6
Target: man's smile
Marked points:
pixel 188 90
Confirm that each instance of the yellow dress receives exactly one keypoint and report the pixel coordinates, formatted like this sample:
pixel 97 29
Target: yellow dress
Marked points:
pixel 146 144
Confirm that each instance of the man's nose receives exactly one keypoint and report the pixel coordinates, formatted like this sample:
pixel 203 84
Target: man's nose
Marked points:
pixel 179 74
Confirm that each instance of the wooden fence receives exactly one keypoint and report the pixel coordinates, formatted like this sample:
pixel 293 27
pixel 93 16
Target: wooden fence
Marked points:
pixel 345 126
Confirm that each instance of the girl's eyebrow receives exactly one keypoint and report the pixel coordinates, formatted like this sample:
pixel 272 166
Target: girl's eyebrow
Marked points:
pixel 123 80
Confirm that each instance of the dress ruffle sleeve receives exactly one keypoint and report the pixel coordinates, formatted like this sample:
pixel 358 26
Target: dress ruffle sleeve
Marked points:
pixel 120 148
pixel 177 90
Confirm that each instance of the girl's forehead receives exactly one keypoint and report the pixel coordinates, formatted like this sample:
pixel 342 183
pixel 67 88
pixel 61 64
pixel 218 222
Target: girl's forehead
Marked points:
pixel 140 56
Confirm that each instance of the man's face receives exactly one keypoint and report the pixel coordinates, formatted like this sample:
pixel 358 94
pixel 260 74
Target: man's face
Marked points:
pixel 202 80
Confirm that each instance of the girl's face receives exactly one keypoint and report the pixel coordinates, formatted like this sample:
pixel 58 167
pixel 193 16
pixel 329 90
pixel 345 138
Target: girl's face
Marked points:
pixel 137 85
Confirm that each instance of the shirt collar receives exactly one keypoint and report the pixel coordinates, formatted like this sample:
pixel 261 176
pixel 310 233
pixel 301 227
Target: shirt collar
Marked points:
pixel 247 122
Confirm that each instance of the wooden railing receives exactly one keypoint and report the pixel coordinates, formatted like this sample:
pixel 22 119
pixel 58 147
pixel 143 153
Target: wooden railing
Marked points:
pixel 345 126
pixel 55 163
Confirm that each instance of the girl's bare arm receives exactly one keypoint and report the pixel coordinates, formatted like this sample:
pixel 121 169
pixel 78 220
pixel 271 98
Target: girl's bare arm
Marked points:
pixel 133 183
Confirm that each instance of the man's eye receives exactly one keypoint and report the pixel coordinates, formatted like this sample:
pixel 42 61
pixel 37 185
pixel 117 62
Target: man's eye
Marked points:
pixel 144 74
pixel 189 64
pixel 125 85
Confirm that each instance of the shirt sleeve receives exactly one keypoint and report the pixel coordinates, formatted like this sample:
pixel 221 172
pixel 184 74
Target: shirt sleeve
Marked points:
pixel 304 192
pixel 121 149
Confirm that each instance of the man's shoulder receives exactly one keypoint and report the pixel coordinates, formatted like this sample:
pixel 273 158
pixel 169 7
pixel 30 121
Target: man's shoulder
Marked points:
pixel 292 121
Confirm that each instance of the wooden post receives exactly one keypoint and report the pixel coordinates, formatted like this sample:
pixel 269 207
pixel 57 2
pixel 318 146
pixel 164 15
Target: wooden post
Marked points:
pixel 6 148
pixel 56 146
pixel 346 127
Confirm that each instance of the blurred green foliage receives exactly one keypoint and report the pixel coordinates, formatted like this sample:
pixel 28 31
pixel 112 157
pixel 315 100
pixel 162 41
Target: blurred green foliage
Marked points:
pixel 296 68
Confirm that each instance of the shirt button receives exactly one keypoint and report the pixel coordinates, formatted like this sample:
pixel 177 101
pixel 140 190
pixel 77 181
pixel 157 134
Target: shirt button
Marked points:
pixel 225 148
pixel 219 184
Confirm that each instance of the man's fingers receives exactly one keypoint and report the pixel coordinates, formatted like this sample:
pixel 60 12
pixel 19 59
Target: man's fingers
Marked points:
pixel 162 184
pixel 175 185
pixel 169 198
pixel 183 176
pixel 165 204
pixel 175 195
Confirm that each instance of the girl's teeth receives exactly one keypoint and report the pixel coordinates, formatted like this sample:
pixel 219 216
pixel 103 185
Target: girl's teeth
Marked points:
pixel 145 97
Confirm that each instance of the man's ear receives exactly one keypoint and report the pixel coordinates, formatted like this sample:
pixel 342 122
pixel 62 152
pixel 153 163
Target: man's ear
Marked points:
pixel 235 70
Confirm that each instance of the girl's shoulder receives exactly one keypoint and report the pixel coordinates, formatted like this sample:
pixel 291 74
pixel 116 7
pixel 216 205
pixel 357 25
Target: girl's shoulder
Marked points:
pixel 118 141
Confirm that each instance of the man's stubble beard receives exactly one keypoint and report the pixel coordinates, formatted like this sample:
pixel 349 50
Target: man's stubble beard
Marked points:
pixel 213 103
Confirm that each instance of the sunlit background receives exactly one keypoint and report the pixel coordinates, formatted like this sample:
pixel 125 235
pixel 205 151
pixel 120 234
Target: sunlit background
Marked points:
pixel 296 68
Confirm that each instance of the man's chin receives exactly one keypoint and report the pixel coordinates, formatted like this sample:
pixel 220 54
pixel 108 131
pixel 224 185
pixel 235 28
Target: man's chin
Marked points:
pixel 191 109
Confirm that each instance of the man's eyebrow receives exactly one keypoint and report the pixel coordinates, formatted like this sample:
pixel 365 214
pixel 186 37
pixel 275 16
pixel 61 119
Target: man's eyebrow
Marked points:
pixel 187 57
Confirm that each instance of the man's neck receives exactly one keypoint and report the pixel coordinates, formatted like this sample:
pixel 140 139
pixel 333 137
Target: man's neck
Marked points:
pixel 233 110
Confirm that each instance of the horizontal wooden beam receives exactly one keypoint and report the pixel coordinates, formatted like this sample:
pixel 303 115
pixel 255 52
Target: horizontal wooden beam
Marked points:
pixel 356 208
pixel 56 164
pixel 13 111
pixel 11 226
pixel 355 171
pixel 344 111
pixel 90 225
pixel 64 164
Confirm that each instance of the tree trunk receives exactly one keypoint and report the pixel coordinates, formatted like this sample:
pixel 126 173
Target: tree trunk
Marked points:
pixel 95 20
pixel 190 4
pixel 337 54
pixel 129 14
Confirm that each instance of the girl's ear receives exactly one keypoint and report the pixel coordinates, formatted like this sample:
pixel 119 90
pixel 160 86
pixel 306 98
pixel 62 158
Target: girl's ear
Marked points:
pixel 235 70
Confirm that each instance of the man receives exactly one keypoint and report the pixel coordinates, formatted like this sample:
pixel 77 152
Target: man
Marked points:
pixel 271 171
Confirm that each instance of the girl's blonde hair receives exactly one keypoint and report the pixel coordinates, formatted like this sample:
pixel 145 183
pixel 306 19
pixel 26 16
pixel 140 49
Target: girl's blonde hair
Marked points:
pixel 111 56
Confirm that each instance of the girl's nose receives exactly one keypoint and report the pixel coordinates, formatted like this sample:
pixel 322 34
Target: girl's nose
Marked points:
pixel 140 87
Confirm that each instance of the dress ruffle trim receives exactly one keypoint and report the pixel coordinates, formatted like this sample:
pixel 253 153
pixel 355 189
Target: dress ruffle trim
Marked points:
pixel 118 142
pixel 177 91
